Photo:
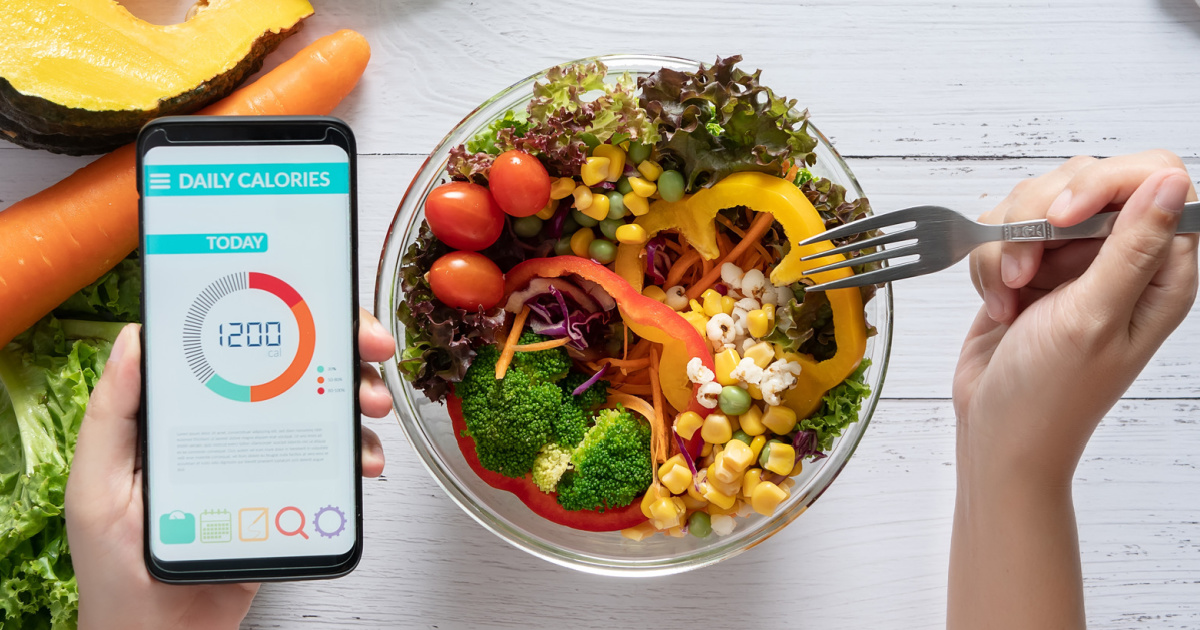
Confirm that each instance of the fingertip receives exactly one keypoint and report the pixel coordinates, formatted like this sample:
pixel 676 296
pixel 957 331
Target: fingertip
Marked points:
pixel 373 459
pixel 375 342
pixel 1061 206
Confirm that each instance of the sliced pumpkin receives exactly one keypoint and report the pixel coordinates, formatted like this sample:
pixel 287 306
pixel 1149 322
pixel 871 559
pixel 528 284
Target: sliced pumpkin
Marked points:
pixel 82 76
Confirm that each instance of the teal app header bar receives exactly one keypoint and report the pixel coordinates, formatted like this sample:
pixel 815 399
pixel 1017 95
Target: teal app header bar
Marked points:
pixel 191 180
pixel 245 243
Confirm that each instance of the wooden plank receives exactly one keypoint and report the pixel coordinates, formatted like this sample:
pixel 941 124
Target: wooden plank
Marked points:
pixel 889 77
pixel 872 553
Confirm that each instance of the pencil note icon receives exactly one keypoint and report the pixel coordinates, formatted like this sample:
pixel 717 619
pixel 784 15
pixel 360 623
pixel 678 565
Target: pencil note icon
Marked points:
pixel 252 524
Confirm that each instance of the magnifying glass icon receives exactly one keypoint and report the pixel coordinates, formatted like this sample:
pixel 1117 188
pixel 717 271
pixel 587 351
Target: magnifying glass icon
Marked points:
pixel 299 531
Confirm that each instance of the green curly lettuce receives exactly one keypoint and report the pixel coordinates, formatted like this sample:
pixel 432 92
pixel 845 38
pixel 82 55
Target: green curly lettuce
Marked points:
pixel 839 407
pixel 720 120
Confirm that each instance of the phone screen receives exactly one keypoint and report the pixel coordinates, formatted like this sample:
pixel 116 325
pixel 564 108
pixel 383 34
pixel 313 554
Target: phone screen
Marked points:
pixel 249 332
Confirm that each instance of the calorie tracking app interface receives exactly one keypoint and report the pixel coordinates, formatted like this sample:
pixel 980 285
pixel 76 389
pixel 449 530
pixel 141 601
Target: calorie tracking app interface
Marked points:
pixel 249 367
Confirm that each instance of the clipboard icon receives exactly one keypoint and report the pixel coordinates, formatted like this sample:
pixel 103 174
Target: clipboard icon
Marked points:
pixel 252 524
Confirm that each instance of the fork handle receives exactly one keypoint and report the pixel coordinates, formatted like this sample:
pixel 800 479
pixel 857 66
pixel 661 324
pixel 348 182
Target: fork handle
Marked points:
pixel 1097 226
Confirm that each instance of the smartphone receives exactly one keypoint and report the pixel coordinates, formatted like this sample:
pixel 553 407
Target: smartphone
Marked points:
pixel 249 419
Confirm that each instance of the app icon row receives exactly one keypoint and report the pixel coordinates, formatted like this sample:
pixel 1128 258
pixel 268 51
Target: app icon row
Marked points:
pixel 253 525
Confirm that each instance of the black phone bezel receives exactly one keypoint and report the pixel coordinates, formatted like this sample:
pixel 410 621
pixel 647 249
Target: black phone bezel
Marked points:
pixel 253 131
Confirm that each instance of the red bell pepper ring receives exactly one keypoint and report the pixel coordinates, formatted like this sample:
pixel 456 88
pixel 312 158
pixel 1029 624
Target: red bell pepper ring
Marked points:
pixel 646 317
pixel 542 504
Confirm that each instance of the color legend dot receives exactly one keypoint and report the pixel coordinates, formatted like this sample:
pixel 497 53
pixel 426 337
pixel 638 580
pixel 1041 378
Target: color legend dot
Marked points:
pixel 320 390
pixel 320 368
pixel 320 379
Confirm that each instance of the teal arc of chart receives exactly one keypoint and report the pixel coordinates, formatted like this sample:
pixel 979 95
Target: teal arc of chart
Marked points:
pixel 194 325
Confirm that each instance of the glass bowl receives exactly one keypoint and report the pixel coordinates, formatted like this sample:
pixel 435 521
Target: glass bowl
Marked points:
pixel 428 428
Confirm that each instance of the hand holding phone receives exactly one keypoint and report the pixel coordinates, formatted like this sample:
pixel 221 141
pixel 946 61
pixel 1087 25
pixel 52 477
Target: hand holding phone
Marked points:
pixel 104 502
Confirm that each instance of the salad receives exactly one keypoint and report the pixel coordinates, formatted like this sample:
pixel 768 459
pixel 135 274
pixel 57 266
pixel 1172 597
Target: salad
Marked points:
pixel 607 295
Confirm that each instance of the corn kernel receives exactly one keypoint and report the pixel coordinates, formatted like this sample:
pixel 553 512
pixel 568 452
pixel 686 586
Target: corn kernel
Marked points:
pixel 666 466
pixel 677 479
pixel 719 499
pixel 769 309
pixel 712 302
pixel 766 497
pixel 757 444
pixel 676 532
pixel 778 350
pixel 716 429
pixel 756 323
pixel 755 391
pixel 598 209
pixel 780 420
pixel 781 458
pixel 727 304
pixel 686 424
pixel 639 532
pixel 594 170
pixel 633 234
pixel 583 197
pixel 651 291
pixel 693 502
pixel 653 493
pixel 664 513
pixel 751 422
pixel 793 357
pixel 694 493
pixel 761 353
pixel 636 204
pixel 738 455
pixel 706 449
pixel 547 213
pixel 749 480
pixel 641 187
pixel 716 510
pixel 724 362
pixel 724 472
pixel 580 241
pixel 562 188
pixel 650 170
pixel 697 320
pixel 734 425
pixel 797 469
pixel 616 160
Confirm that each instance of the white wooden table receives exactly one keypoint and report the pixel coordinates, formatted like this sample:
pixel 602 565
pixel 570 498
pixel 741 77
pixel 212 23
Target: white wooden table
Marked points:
pixel 947 101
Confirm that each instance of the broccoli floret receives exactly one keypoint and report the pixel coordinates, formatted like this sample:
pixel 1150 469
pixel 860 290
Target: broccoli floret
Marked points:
pixel 511 419
pixel 594 397
pixel 611 467
pixel 552 461
pixel 571 423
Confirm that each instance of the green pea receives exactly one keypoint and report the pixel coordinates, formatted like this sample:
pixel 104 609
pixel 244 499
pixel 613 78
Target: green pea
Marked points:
pixel 616 205
pixel 734 400
pixel 624 187
pixel 527 227
pixel 609 228
pixel 765 455
pixel 562 246
pixel 602 251
pixel 582 219
pixel 700 524
pixel 743 436
pixel 569 225
pixel 670 185
pixel 638 152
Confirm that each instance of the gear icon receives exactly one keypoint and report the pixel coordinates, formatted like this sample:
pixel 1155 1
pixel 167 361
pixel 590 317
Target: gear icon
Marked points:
pixel 341 521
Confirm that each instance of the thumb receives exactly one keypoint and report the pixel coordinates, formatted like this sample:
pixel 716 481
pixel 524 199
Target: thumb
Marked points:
pixel 1136 249
pixel 106 451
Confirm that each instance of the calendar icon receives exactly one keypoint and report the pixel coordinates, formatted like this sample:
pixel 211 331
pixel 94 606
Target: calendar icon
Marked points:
pixel 216 526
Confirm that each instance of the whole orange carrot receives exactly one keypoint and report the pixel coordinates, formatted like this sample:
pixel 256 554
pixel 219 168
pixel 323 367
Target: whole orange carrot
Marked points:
pixel 63 238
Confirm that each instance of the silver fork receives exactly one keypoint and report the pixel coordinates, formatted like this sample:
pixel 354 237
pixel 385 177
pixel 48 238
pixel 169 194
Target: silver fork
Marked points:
pixel 943 237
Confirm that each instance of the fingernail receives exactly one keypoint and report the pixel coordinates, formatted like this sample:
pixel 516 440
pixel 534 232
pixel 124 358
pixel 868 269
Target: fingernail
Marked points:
pixel 1060 206
pixel 1172 192
pixel 380 389
pixel 1010 269
pixel 995 308
pixel 120 346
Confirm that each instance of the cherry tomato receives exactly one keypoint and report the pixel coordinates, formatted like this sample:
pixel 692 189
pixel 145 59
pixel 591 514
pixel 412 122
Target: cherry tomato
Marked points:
pixel 464 215
pixel 519 183
pixel 467 280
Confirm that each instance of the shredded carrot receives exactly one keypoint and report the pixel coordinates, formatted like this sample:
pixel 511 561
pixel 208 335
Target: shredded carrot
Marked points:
pixel 707 266
pixel 658 426
pixel 510 343
pixel 640 377
pixel 634 389
pixel 675 245
pixel 685 262
pixel 750 260
pixel 625 364
pixel 639 405
pixel 542 345
pixel 724 244
pixel 625 351
pixel 758 227
pixel 640 349
pixel 730 226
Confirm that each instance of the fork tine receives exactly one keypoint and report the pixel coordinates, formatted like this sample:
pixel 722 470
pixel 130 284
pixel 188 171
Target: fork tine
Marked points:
pixel 879 276
pixel 870 223
pixel 862 260
pixel 891 237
